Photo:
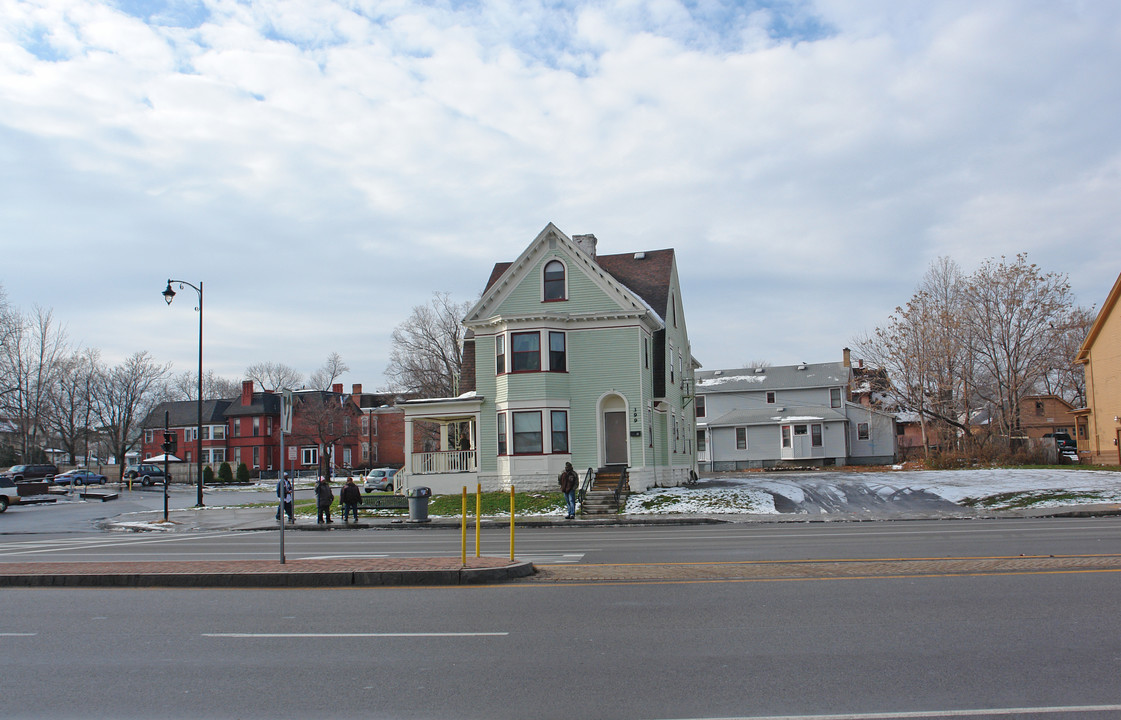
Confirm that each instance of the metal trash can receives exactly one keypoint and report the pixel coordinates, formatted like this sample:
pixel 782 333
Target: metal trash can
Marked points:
pixel 418 503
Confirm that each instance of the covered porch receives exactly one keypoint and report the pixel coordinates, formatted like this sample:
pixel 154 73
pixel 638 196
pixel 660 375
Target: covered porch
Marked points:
pixel 441 443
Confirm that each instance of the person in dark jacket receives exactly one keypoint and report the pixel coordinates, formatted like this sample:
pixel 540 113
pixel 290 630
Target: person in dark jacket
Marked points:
pixel 284 492
pixel 568 481
pixel 324 496
pixel 350 497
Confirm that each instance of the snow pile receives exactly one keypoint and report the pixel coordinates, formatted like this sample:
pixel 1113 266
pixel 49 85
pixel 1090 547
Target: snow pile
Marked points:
pixel 1082 486
pixel 842 491
pixel 698 501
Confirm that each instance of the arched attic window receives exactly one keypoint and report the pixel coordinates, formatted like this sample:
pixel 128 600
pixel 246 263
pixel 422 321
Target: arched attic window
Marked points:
pixel 554 281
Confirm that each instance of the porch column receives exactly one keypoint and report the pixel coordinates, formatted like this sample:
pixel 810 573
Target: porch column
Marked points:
pixel 444 436
pixel 408 444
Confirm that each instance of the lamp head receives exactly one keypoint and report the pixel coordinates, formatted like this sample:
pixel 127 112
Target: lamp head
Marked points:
pixel 168 293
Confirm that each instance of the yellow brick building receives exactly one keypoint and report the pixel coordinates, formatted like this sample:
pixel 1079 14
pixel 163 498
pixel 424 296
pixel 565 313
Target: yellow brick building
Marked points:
pixel 1099 423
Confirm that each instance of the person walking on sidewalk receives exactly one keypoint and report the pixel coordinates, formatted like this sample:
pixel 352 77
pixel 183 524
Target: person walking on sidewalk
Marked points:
pixel 350 497
pixel 568 481
pixel 284 492
pixel 324 496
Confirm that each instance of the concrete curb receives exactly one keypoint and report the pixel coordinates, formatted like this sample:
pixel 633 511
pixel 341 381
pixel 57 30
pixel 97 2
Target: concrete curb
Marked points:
pixel 283 576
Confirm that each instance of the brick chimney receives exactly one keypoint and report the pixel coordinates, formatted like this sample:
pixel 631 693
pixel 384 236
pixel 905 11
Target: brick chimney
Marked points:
pixel 246 392
pixel 337 388
pixel 847 357
pixel 356 389
pixel 587 243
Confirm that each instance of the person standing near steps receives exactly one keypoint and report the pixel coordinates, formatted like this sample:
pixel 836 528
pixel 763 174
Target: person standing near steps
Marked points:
pixel 568 481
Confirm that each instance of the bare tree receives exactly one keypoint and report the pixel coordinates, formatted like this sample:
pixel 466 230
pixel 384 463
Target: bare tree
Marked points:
pixel 69 411
pixel 924 353
pixel 325 419
pixel 274 376
pixel 1013 310
pixel 123 396
pixel 332 369
pixel 426 355
pixel 8 322
pixel 32 352
pixel 184 386
pixel 1066 377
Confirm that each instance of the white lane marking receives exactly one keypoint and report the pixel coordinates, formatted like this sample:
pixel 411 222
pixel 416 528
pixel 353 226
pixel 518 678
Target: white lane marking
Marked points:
pixel 546 558
pixel 374 556
pixel 904 715
pixel 356 635
pixel 4 634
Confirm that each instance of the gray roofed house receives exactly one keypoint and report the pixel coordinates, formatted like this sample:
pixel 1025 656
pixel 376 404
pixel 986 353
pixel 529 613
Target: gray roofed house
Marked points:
pixel 789 415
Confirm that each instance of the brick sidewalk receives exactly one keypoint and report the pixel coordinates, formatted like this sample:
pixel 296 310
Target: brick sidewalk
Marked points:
pixel 347 572
pixel 762 571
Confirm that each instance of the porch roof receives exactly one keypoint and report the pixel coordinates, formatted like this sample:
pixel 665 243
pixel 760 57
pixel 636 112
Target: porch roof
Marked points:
pixel 443 408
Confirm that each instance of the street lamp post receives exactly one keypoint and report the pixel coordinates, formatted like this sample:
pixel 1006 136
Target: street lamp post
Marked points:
pixel 169 295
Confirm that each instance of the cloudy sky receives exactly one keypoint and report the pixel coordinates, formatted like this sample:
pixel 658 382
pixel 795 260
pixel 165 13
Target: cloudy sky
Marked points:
pixel 322 167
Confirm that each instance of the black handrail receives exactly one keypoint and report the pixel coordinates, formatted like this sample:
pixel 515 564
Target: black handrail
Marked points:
pixel 622 482
pixel 589 480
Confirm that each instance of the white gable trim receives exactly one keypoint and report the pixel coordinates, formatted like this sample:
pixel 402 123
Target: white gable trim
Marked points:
pixel 630 304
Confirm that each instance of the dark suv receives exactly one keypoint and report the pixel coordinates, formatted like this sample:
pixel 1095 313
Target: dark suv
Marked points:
pixel 148 474
pixel 27 473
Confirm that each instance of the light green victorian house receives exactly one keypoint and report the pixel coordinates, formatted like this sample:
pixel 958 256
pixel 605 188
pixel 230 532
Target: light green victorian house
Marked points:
pixel 571 357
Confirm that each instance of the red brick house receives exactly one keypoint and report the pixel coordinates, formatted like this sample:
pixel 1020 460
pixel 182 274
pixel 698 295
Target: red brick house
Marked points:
pixel 354 430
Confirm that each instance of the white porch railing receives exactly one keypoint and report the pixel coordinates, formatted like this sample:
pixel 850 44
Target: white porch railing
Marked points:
pixel 431 463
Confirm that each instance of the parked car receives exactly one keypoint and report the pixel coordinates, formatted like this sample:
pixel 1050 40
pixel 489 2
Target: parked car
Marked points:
pixel 80 477
pixel 380 479
pixel 148 474
pixel 9 494
pixel 28 473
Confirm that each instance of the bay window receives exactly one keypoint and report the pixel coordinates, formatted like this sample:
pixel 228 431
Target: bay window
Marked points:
pixel 558 360
pixel 559 437
pixel 527 433
pixel 526 351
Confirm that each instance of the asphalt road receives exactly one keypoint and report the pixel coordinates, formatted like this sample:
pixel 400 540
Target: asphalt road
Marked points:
pixel 1025 644
pixel 942 646
pixel 71 515
pixel 574 544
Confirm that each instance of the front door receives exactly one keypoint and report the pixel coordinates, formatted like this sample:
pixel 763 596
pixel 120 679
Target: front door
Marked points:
pixel 615 437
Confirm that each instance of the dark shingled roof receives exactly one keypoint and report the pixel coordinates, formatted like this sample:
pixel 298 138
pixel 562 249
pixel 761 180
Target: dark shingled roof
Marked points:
pixel 649 278
pixel 183 413
pixel 264 403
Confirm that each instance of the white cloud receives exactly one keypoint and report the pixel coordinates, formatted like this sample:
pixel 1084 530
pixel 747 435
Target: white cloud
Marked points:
pixel 806 161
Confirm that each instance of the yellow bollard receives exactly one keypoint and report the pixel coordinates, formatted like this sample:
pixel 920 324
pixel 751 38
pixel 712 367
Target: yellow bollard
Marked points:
pixel 463 528
pixel 478 515
pixel 511 523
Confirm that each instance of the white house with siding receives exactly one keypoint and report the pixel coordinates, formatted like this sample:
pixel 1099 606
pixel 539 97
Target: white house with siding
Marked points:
pixel 793 415
pixel 571 356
